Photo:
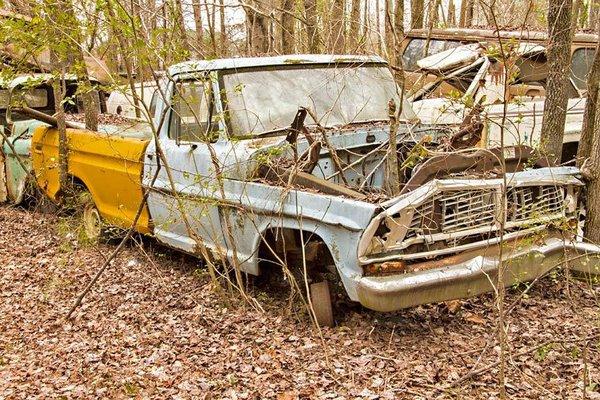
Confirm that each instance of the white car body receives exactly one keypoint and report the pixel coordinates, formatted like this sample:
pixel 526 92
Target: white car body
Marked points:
pixel 121 101
pixel 523 114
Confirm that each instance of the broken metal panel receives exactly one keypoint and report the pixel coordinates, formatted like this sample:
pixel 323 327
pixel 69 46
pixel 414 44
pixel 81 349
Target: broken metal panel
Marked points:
pixel 525 123
pixel 451 58
pixel 528 49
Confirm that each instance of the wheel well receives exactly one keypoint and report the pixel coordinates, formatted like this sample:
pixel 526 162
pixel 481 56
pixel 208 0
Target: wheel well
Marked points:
pixel 284 245
pixel 76 184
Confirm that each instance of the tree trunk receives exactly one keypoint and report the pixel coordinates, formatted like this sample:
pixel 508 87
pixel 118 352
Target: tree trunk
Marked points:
pixel 353 33
pixel 466 13
pixel 196 7
pixel 312 28
pixel 588 154
pixel 222 29
pixel 398 37
pixel 211 29
pixel 287 26
pixel 591 171
pixel 451 14
pixel 594 15
pixel 366 26
pixel 589 116
pixel 337 38
pixel 417 11
pixel 178 11
pixel 258 35
pixel 559 56
pixel 58 90
pixel 577 9
pixel 387 29
pixel 67 41
pixel 378 26
pixel 434 14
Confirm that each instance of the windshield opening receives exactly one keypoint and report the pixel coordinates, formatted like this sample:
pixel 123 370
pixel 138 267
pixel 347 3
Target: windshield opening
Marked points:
pixel 265 100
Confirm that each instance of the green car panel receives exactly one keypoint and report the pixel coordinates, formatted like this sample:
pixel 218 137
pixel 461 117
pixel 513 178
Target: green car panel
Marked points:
pixel 14 175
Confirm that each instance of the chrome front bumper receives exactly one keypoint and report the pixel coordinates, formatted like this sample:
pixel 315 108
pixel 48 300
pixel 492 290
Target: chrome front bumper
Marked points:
pixel 475 276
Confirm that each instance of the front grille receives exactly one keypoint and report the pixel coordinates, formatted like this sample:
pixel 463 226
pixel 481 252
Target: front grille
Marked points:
pixel 456 211
pixel 529 203
pixel 471 209
pixel 422 218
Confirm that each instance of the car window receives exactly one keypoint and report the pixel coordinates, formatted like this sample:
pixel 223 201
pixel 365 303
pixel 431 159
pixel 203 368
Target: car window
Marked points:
pixel 190 112
pixel 415 49
pixel 33 98
pixel 581 62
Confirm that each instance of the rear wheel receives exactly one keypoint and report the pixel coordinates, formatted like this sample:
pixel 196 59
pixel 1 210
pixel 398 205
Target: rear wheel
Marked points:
pixel 320 298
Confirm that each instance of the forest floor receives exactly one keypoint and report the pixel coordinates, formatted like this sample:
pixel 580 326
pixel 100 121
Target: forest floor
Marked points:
pixel 153 327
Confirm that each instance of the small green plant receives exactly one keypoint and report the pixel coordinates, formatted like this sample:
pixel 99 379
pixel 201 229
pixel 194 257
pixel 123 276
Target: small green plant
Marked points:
pixel 542 352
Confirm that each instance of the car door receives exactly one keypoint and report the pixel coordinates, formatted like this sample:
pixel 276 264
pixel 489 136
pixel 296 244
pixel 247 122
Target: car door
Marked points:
pixel 185 197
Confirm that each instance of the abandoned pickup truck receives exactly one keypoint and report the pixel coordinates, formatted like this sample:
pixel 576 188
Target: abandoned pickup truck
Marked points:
pixel 265 161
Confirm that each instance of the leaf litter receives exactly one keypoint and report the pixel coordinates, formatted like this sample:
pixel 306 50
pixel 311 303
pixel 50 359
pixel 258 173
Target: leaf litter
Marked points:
pixel 153 327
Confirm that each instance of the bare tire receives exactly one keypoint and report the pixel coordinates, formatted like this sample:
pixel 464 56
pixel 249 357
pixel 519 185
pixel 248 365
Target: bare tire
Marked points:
pixel 92 221
pixel 321 303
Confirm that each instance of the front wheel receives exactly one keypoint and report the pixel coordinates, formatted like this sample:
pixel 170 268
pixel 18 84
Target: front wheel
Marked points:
pixel 320 299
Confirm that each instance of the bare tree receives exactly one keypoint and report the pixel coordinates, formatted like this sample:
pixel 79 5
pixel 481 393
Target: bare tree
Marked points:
pixel 559 56
pixel 388 27
pixel 222 29
pixel 196 7
pixel 179 18
pixel 67 50
pixel 257 25
pixel 398 37
pixel 337 37
pixel 451 13
pixel 594 14
pixel 466 13
pixel 589 117
pixel 417 13
pixel 312 27
pixel 591 171
pixel 577 11
pixel 588 153
pixel 353 32
pixel 287 26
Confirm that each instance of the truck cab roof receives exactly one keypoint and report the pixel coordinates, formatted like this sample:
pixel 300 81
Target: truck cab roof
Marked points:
pixel 248 62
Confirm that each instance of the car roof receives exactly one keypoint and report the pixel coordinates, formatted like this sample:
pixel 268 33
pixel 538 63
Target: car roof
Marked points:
pixel 35 78
pixel 248 62
pixel 473 34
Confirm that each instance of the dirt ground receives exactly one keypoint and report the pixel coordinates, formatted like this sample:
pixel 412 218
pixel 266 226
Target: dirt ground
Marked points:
pixel 154 328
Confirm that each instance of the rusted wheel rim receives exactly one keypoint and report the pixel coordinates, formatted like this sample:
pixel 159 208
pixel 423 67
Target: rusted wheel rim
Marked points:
pixel 92 222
